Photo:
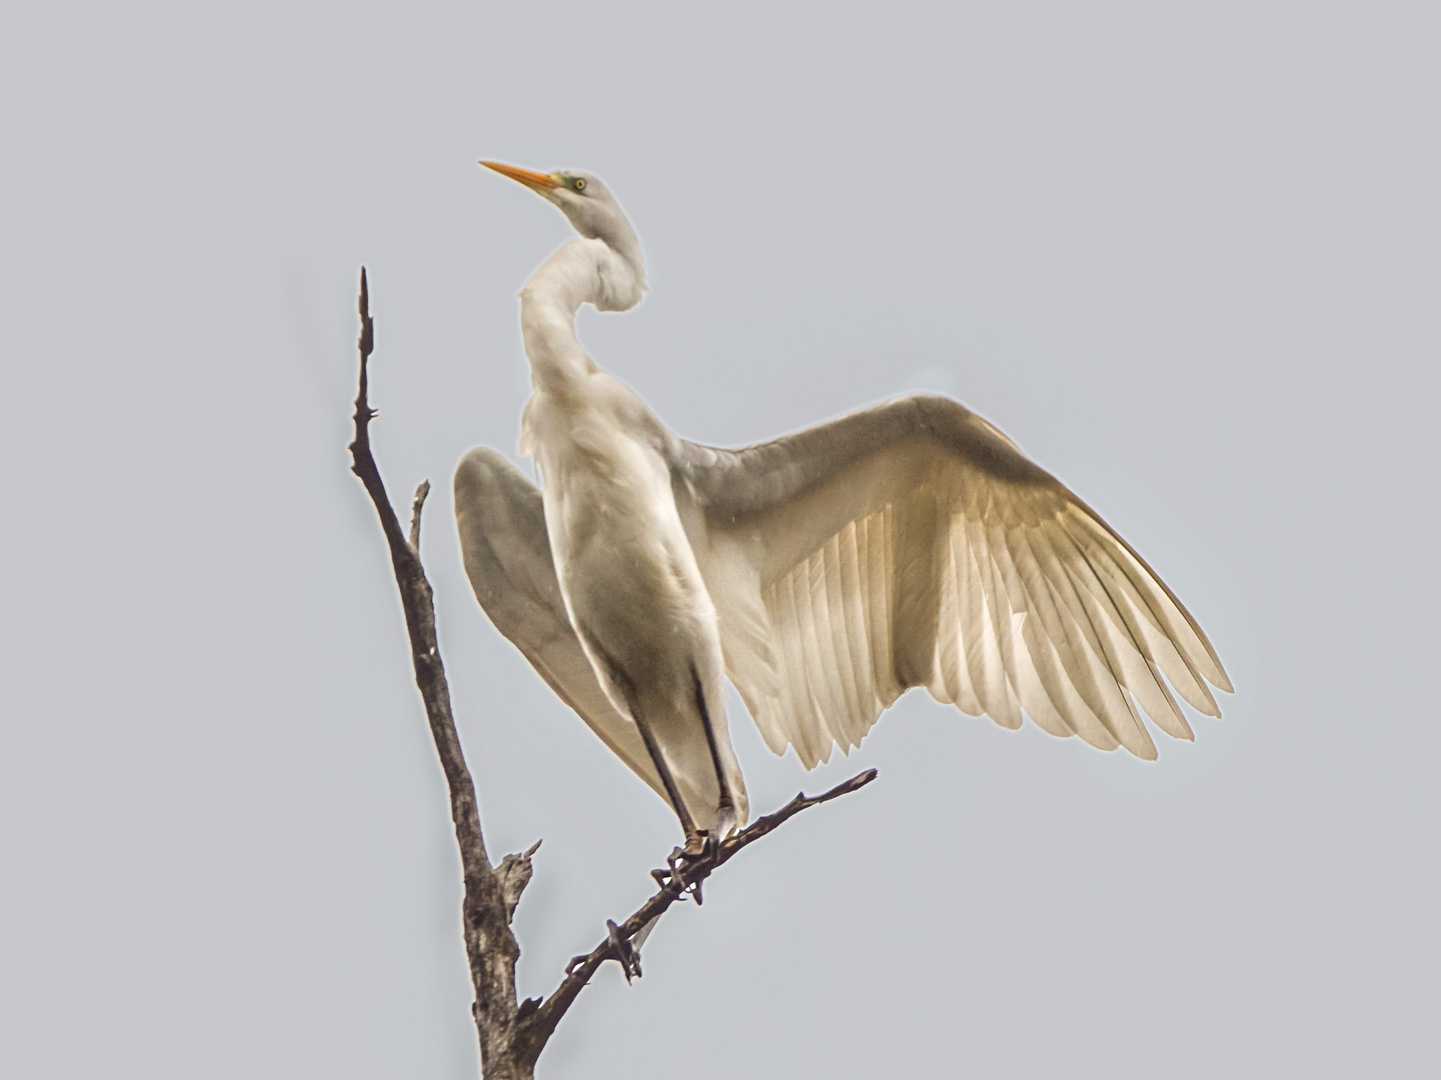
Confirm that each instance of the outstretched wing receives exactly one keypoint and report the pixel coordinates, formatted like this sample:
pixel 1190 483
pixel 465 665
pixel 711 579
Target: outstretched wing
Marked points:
pixel 507 557
pixel 912 544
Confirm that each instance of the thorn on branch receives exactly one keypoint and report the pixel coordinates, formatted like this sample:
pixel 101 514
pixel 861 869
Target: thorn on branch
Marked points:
pixel 622 950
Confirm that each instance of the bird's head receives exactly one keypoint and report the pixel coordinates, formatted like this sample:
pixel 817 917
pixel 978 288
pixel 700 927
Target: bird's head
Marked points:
pixel 587 203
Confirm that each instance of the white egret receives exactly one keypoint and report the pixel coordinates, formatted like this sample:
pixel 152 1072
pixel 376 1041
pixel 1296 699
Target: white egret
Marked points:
pixel 826 572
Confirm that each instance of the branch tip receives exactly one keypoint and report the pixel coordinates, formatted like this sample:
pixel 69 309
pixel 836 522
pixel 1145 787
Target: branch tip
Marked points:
pixel 417 504
pixel 367 325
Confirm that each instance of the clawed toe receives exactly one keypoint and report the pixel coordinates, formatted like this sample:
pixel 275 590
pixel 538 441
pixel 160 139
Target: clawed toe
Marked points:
pixel 689 865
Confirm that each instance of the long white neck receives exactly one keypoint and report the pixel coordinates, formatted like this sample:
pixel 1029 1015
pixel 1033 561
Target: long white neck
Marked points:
pixel 580 272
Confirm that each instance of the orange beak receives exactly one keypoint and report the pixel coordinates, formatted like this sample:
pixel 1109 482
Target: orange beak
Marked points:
pixel 537 182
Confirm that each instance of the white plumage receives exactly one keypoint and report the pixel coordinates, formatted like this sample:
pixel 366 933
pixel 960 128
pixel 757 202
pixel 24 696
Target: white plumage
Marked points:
pixel 909 544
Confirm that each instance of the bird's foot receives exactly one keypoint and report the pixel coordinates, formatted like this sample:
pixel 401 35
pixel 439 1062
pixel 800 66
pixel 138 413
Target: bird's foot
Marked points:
pixel 679 861
pixel 689 865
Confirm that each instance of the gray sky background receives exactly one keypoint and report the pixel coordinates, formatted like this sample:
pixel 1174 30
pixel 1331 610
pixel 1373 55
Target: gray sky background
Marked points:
pixel 1185 255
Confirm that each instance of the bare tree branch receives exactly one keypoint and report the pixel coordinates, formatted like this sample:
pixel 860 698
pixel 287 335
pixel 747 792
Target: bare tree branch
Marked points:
pixel 489 944
pixel 511 1037
pixel 539 1019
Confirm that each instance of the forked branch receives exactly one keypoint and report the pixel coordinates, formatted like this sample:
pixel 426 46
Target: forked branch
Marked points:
pixel 511 1037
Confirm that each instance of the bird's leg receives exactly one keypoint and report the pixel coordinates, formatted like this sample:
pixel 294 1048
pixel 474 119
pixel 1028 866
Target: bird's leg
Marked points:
pixel 726 811
pixel 695 840
pixel 687 823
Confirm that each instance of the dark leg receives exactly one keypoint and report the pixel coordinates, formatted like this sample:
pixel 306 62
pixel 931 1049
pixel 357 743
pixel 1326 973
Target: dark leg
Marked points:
pixel 727 800
pixel 621 681
pixel 687 823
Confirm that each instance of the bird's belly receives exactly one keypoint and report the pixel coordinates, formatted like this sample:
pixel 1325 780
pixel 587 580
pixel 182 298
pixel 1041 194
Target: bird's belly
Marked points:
pixel 630 581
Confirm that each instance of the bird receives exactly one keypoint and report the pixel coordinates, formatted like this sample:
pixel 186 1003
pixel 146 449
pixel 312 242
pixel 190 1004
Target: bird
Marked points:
pixel 826 572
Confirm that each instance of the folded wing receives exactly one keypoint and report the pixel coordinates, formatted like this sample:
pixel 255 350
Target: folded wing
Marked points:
pixel 507 557
pixel 912 544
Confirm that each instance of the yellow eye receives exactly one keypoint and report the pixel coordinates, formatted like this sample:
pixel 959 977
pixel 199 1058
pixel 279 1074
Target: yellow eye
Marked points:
pixel 580 185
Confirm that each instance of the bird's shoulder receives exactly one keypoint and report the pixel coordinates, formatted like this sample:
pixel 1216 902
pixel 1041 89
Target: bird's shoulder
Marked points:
pixel 910 430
